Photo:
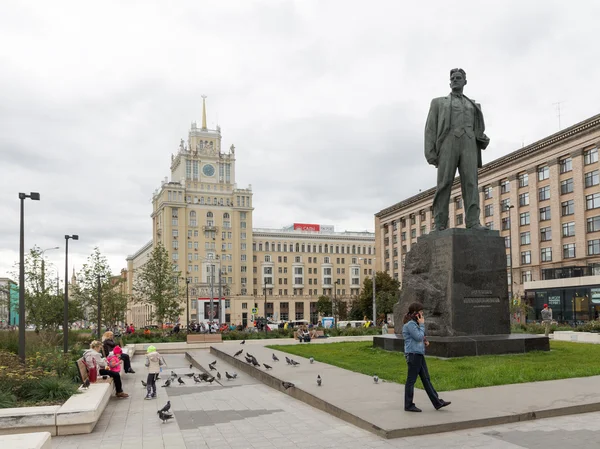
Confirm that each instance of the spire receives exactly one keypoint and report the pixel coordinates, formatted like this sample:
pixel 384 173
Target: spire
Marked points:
pixel 203 111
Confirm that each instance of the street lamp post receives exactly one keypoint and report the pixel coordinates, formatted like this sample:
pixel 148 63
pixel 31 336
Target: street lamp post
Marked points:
pixel 335 304
pixel 212 295
pixel 44 266
pixel 35 196
pixel 99 276
pixel 510 250
pixel 66 305
pixel 265 283
pixel 187 304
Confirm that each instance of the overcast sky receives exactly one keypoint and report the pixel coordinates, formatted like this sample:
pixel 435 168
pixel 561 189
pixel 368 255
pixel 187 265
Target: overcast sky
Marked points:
pixel 325 102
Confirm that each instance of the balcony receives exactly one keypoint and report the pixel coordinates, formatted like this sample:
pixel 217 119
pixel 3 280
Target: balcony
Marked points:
pixel 209 228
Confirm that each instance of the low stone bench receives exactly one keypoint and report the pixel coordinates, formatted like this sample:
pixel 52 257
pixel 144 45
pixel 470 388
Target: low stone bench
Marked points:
pixel 204 338
pixel 28 419
pixel 82 411
pixel 35 440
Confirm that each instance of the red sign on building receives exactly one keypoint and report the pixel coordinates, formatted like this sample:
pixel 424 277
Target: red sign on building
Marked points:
pixel 306 227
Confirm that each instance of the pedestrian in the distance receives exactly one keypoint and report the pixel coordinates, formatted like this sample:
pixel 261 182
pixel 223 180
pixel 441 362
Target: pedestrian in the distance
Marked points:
pixel 547 318
pixel 415 343
pixel 153 362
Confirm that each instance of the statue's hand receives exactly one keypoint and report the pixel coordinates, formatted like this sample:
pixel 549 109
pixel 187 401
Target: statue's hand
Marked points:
pixel 433 162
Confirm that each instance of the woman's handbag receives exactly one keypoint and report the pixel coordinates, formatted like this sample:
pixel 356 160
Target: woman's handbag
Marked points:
pixel 92 371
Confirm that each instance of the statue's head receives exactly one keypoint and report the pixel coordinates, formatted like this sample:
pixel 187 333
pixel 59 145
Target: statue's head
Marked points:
pixel 458 79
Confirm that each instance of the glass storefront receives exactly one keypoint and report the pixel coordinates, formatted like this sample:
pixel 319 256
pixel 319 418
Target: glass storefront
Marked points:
pixel 569 305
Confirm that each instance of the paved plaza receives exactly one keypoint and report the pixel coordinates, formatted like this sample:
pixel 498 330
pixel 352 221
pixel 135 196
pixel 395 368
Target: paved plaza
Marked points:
pixel 243 413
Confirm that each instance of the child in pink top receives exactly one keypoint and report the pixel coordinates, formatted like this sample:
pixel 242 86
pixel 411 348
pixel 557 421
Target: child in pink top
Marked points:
pixel 114 359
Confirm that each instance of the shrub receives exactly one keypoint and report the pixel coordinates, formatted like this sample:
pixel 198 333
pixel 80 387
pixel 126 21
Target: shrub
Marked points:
pixel 49 389
pixel 7 399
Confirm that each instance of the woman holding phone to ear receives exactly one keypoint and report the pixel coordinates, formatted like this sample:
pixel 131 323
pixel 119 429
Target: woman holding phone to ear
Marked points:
pixel 415 343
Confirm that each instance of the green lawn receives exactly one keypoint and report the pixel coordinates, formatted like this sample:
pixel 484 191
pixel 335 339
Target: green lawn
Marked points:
pixel 565 360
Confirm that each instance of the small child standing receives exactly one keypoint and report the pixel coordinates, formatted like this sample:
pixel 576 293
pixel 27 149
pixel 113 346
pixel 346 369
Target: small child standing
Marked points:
pixel 153 362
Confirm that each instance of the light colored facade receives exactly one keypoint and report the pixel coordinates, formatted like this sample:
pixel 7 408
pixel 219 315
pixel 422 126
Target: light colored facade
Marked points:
pixel 8 296
pixel 543 198
pixel 204 220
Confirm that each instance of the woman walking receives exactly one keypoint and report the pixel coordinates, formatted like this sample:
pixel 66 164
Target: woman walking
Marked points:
pixel 415 343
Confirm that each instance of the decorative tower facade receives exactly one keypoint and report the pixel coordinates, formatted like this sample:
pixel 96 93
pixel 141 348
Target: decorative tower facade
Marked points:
pixel 205 222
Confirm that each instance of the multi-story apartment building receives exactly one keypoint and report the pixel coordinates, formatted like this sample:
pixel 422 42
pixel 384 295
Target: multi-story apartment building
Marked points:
pixel 544 199
pixel 204 220
pixel 9 303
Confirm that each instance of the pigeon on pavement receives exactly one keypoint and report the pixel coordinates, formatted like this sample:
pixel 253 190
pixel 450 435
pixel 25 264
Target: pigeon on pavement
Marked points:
pixel 167 407
pixel 191 366
pixel 294 363
pixel 197 380
pixel 164 416
pixel 287 385
pixel 213 363
pixel 181 382
pixel 228 376
pixel 287 359
pixel 212 367
pixel 375 379
pixel 211 380
pixel 267 366
pixel 275 359
pixel 234 374
pixel 255 363
pixel 238 353
pixel 318 380
pixel 167 383
pixel 173 374
pixel 190 374
pixel 218 375
pixel 144 383
pixel 248 354
pixel 243 342
pixel 311 360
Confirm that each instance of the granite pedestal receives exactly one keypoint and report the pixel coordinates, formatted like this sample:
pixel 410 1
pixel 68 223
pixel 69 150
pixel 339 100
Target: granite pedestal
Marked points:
pixel 459 275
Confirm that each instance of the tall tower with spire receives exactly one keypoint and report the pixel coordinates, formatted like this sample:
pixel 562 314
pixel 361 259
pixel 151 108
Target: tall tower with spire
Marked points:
pixel 203 219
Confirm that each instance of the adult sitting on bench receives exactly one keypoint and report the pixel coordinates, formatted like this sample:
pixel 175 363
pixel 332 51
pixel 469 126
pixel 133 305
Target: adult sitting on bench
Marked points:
pixel 303 334
pixel 108 344
pixel 93 358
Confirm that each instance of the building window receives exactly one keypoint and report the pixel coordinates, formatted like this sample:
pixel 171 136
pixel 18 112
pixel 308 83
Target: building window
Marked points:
pixel 506 243
pixel 566 165
pixel 544 213
pixel 506 223
pixel 590 156
pixel 544 193
pixel 525 257
pixel 459 219
pixel 504 186
pixel 592 178
pixel 525 238
pixel 402 237
pixel 489 225
pixel 523 179
pixel 594 247
pixel 569 251
pixel 546 234
pixel 459 202
pixel 489 210
pixel 546 254
pixel 413 233
pixel 568 229
pixel 566 186
pixel 593 224
pixel 592 201
pixel 524 199
pixel 568 208
pixel 543 173
pixel 245 304
pixel 487 192
pixel 524 218
pixel 526 276
pixel 505 204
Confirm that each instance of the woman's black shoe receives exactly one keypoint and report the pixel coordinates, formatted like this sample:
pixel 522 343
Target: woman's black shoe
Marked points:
pixel 131 371
pixel 413 408
pixel 442 404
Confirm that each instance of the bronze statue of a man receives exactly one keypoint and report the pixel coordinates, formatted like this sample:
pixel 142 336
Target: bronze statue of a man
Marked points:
pixel 454 138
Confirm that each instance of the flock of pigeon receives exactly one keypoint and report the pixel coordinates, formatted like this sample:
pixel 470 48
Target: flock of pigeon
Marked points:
pixel 201 377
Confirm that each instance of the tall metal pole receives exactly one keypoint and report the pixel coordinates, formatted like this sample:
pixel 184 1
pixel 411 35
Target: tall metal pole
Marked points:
pixel 43 273
pixel 99 307
pixel 212 294
pixel 374 296
pixel 187 304
pixel 265 282
pixel 510 251
pixel 21 284
pixel 66 304
pixel 220 297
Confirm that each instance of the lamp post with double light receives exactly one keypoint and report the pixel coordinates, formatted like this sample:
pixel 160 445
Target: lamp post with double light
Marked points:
pixel 35 196
pixel 66 304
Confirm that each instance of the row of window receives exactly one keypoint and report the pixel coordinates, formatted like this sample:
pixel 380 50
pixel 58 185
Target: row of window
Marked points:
pixel 569 252
pixel 313 248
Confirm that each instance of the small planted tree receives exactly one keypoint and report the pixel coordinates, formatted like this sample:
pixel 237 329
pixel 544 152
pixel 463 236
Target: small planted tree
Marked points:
pixel 324 306
pixel 157 285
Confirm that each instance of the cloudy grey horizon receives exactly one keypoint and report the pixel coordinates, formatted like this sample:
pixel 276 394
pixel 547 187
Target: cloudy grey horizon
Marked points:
pixel 325 102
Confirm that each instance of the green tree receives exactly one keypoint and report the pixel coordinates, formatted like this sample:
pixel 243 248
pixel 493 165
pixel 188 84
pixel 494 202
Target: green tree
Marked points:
pixel 157 285
pixel 43 308
pixel 324 305
pixel 113 302
pixel 386 291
